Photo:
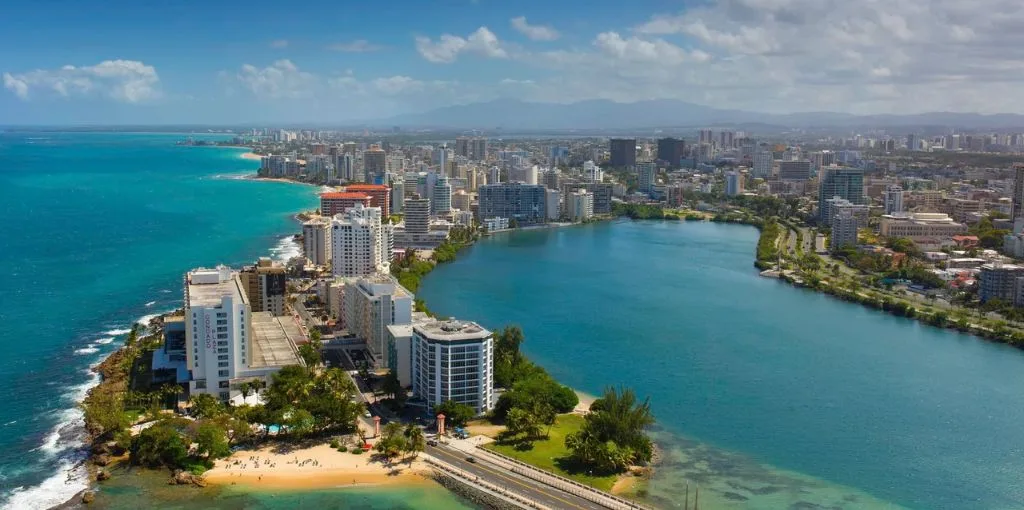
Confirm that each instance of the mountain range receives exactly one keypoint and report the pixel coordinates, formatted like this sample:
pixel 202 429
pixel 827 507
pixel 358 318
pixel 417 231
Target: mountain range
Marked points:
pixel 603 115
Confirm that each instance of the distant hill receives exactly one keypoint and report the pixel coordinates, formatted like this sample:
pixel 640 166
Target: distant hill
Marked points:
pixel 514 114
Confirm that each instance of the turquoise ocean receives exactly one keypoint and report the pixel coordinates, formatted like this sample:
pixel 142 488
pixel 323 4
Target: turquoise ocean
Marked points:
pixel 767 396
pixel 97 232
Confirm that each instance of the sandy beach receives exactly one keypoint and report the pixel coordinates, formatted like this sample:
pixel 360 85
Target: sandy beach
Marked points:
pixel 318 467
pixel 250 155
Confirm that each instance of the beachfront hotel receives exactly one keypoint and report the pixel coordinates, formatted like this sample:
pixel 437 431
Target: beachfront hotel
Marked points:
pixel 452 360
pixel 361 242
pixel 226 343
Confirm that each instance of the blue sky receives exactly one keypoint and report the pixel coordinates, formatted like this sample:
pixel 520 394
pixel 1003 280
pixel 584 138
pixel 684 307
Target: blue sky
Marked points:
pixel 318 61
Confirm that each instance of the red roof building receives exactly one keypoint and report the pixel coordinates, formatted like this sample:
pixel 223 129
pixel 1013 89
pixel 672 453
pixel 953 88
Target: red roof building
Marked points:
pixel 380 195
pixel 337 202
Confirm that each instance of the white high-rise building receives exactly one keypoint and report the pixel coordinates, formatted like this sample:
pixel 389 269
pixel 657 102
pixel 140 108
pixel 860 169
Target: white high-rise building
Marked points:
pixel 844 228
pixel 371 305
pixel 226 343
pixel 361 243
pixel 580 205
pixel 592 172
pixel 530 174
pixel 552 200
pixel 442 199
pixel 453 360
pixel 494 177
pixel 762 164
pixel 316 240
pixel 894 200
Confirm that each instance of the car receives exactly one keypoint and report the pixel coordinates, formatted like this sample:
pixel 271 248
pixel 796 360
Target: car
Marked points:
pixel 432 442
pixel 471 460
pixel 367 414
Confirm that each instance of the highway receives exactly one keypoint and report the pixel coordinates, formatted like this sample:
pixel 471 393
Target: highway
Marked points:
pixel 524 487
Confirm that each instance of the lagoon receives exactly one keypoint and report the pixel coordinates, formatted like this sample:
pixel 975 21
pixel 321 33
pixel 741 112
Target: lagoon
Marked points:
pixel 767 396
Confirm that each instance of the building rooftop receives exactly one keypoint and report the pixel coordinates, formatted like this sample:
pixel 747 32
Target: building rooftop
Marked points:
pixel 344 195
pixel 451 330
pixel 209 287
pixel 273 341
pixel 920 218
pixel 366 187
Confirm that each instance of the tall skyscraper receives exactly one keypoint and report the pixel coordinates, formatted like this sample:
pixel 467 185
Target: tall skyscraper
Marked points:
pixel 442 196
pixel 361 242
pixel 417 215
pixel 733 183
pixel 478 149
pixel 671 151
pixel 843 182
pixel 763 164
pixel 646 172
pixel 316 240
pixel 375 164
pixel 1018 190
pixel 623 152
pixel 462 146
pixel 894 200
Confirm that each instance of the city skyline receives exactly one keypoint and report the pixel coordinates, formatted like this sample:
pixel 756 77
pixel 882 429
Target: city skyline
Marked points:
pixel 261 62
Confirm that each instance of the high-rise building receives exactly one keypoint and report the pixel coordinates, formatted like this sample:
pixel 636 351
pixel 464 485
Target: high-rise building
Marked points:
pixel 706 136
pixel 462 146
pixel 442 196
pixel 1018 191
pixel 397 196
pixel 265 284
pixel 912 142
pixel 344 165
pixel 337 202
pixel 442 160
pixel 840 182
pixel 580 206
pixel 417 215
pixel 226 343
pixel 553 203
pixel 478 149
pixel 646 173
pixel 550 178
pixel 733 183
pixel 453 360
pixel 380 195
pixel 592 172
pixel 524 203
pixel 763 164
pixel 844 228
pixel 316 240
pixel 894 200
pixel 1004 282
pixel 361 242
pixel 494 175
pixel 671 151
pixel 373 303
pixel 794 170
pixel 623 152
pixel 375 164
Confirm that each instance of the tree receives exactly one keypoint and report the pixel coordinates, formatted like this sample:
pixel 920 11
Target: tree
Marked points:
pixel 393 387
pixel 310 356
pixel 415 442
pixel 392 440
pixel 159 445
pixel 104 413
pixel 614 435
pixel 300 423
pixel 211 440
pixel 456 414
pixel 205 405
pixel 522 422
pixel 245 388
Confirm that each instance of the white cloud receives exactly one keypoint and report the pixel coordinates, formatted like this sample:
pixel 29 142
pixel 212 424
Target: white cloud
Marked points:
pixel 357 46
pixel 446 50
pixel 282 79
pixel 534 32
pixel 129 81
pixel 640 50
pixel 279 43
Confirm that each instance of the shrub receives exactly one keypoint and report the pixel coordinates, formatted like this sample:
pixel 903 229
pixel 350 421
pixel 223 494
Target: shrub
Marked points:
pixel 342 448
pixel 335 444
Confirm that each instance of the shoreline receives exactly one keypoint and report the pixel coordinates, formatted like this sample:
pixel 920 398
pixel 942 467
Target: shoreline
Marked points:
pixel 317 467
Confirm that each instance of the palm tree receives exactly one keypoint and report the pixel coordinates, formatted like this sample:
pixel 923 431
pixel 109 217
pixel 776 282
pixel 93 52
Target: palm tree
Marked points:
pixel 245 388
pixel 415 442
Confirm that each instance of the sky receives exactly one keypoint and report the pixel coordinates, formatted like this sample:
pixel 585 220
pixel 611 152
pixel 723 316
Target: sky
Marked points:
pixel 228 62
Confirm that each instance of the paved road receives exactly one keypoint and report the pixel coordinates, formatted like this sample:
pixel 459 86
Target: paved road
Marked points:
pixel 525 487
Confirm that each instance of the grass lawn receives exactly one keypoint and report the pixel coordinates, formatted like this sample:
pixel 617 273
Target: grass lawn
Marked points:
pixel 546 453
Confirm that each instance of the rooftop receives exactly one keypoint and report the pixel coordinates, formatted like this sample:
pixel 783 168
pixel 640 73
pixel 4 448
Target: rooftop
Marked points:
pixel 273 341
pixel 209 287
pixel 366 187
pixel 451 330
pixel 344 195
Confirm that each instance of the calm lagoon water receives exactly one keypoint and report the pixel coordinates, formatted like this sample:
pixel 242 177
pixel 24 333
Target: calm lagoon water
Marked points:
pixel 767 396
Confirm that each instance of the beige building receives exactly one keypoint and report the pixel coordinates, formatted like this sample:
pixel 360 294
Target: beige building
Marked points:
pixel 920 226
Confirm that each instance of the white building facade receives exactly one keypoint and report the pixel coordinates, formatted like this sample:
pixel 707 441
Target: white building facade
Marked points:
pixel 316 241
pixel 217 338
pixel 453 360
pixel 361 243
pixel 371 305
pixel 580 206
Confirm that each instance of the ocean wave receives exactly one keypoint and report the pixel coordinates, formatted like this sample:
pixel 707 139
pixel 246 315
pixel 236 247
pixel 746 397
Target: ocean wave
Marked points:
pixel 146 319
pixel 286 249
pixel 151 303
pixel 89 349
pixel 104 341
pixel 117 332
pixel 166 291
pixel 233 177
pixel 70 479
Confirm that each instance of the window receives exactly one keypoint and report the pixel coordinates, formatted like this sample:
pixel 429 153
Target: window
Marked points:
pixel 222 364
pixel 223 373
pixel 222 357
pixel 224 384
pixel 201 384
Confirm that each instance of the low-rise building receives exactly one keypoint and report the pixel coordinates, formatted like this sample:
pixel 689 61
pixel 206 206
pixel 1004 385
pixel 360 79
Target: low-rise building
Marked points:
pixel 920 226
pixel 453 360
